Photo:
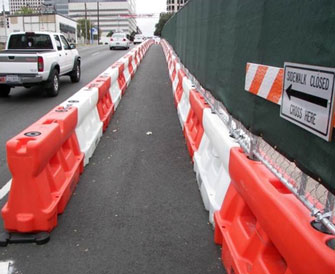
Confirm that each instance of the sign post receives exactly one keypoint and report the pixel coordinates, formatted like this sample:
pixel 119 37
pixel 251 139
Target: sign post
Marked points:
pixel 308 98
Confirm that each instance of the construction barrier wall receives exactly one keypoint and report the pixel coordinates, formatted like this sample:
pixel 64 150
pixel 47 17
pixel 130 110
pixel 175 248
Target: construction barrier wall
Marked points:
pixel 216 39
pixel 47 158
pixel 261 225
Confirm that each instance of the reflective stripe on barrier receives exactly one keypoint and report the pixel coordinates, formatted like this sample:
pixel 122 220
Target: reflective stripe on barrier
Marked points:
pixel 194 130
pixel 105 105
pixel 211 162
pixel 263 228
pixel 45 162
pixel 184 104
pixel 89 125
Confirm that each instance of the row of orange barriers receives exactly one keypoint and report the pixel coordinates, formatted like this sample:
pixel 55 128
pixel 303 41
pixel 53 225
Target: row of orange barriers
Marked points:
pixel 46 159
pixel 261 226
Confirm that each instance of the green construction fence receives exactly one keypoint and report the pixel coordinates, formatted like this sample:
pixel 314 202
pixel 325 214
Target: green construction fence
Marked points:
pixel 216 38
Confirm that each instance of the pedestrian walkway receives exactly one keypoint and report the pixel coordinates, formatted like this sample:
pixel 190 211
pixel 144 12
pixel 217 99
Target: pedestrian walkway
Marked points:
pixel 137 208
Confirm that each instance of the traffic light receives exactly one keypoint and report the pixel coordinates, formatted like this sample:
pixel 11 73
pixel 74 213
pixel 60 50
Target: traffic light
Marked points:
pixel 7 22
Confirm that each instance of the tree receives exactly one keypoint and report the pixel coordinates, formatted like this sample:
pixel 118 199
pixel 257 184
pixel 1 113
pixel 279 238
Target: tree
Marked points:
pixel 132 35
pixel 163 18
pixel 110 33
pixel 25 10
pixel 82 25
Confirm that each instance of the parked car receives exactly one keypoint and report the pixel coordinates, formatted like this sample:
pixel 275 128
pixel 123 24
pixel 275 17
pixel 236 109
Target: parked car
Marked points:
pixel 138 39
pixel 37 58
pixel 119 40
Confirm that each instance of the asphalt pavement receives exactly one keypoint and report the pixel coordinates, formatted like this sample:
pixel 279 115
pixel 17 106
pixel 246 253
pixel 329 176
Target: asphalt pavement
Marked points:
pixel 137 208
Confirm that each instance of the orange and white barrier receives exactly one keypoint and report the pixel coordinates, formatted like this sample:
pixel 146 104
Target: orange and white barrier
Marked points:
pixel 183 91
pixel 105 105
pixel 263 228
pixel 47 158
pixel 193 129
pixel 261 225
pixel 89 126
pixel 207 138
pixel 211 162
pixel 114 90
pixel 45 162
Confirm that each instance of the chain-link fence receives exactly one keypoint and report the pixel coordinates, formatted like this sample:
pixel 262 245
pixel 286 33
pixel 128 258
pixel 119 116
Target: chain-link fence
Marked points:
pixel 310 192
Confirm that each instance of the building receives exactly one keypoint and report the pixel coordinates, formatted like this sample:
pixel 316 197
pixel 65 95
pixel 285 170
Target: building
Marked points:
pixel 16 5
pixel 58 6
pixel 174 5
pixel 40 22
pixel 107 15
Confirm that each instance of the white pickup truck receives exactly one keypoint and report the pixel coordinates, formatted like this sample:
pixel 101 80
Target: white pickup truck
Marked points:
pixel 37 58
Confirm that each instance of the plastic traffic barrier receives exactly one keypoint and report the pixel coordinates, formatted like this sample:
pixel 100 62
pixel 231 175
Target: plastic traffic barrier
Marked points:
pixel 121 79
pixel 114 89
pixel 184 106
pixel 105 105
pixel 45 162
pixel 263 228
pixel 131 66
pixel 136 60
pixel 211 162
pixel 126 72
pixel 89 126
pixel 194 130
pixel 174 79
pixel 179 88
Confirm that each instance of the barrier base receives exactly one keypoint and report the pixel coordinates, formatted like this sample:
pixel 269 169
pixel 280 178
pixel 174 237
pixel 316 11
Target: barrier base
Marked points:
pixel 39 238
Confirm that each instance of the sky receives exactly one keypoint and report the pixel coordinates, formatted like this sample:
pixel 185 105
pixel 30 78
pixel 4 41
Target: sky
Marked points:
pixel 147 25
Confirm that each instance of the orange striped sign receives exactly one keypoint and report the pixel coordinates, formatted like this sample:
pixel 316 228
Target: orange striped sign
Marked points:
pixel 266 82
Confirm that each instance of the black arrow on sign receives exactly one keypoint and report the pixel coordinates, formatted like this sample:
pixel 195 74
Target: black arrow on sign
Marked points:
pixel 306 97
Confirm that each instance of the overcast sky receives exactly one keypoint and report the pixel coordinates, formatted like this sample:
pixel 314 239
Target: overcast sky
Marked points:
pixel 147 25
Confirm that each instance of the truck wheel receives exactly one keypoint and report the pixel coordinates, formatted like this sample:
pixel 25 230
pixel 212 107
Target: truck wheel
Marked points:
pixel 53 84
pixel 75 74
pixel 4 90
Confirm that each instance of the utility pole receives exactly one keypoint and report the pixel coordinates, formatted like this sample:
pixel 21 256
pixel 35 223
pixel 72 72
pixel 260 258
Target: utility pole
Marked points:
pixel 98 23
pixel 85 36
pixel 4 19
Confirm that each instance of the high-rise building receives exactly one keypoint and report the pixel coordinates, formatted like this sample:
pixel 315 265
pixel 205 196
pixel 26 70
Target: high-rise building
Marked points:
pixel 107 15
pixel 58 6
pixel 174 5
pixel 16 5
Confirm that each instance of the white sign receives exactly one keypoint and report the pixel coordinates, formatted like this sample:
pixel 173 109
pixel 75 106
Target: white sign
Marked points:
pixel 308 98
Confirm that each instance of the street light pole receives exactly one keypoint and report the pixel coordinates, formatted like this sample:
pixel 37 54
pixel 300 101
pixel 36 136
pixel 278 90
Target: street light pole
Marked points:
pixel 4 19
pixel 98 23
pixel 85 36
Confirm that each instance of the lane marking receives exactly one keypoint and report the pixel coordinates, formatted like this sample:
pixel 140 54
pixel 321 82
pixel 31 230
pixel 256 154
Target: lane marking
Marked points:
pixel 96 53
pixel 4 190
pixel 4 267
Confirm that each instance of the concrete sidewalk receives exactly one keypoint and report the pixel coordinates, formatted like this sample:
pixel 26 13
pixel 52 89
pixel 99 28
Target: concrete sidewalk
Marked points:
pixel 137 208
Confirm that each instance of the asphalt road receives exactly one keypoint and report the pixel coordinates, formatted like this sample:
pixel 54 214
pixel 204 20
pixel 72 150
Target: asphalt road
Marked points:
pixel 25 106
pixel 137 208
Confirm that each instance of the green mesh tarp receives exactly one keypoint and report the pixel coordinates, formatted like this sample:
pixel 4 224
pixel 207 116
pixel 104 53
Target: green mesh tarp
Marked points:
pixel 216 38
